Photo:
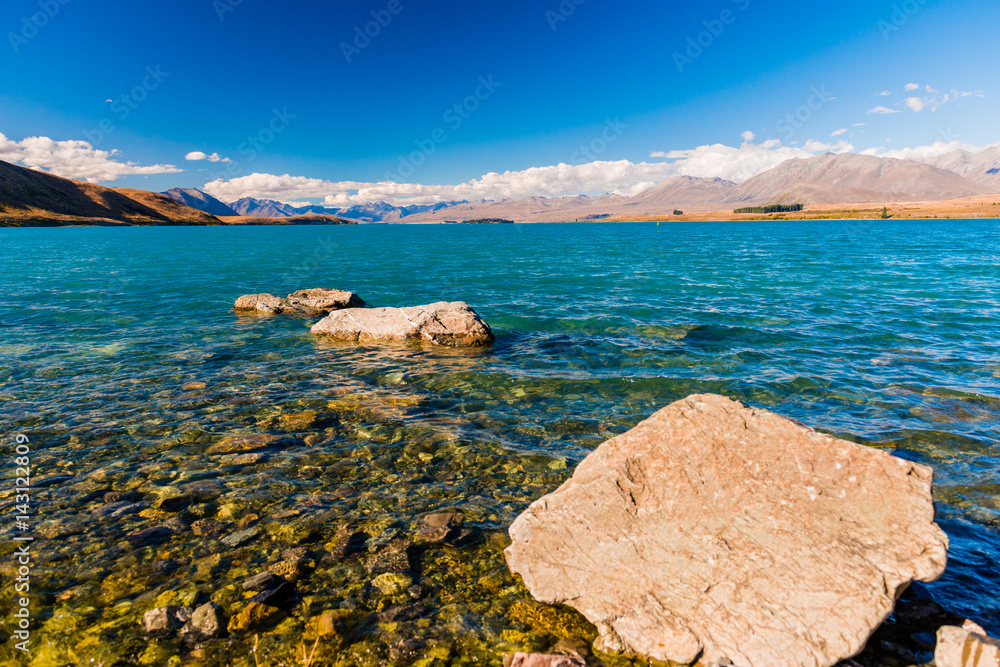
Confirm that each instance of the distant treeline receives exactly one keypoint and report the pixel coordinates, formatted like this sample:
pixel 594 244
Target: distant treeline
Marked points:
pixel 489 221
pixel 774 208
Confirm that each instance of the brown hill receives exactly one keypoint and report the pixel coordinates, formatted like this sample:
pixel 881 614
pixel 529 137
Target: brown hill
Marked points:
pixel 852 178
pixel 679 192
pixel 30 198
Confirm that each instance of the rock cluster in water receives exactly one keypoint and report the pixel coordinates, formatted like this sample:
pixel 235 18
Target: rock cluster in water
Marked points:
pixel 315 301
pixel 719 533
pixel 450 324
pixel 453 324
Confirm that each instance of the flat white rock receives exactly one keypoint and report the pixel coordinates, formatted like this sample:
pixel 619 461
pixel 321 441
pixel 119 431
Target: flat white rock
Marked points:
pixel 725 534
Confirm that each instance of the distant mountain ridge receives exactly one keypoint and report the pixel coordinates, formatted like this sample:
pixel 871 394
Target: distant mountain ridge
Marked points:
pixel 199 200
pixel 850 178
pixel 268 208
pixel 983 167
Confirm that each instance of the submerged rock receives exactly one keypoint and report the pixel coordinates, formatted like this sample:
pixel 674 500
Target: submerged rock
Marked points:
pixel 206 622
pixel 966 646
pixel 264 581
pixel 439 526
pixel 243 443
pixel 256 615
pixel 165 621
pixel 449 324
pixel 726 534
pixel 316 301
pixel 540 660
pixel 395 557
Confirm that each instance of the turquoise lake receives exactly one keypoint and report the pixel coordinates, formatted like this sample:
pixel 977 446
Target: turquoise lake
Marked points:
pixel 122 360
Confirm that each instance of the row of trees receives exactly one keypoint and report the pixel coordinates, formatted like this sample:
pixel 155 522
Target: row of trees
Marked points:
pixel 774 208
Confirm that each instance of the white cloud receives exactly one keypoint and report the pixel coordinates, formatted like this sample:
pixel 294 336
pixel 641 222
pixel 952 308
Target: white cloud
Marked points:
pixel 911 86
pixel 885 93
pixel 931 90
pixel 748 136
pixel 915 103
pixel 883 110
pixel 621 177
pixel 198 155
pixel 74 159
pixel 732 164
pixel 820 147
pixel 837 133
pixel 924 153
pixel 859 125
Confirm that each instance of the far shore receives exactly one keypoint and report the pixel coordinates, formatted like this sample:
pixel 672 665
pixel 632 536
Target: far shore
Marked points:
pixel 966 208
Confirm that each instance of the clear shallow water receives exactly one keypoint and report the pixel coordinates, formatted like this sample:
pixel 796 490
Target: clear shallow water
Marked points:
pixel 121 358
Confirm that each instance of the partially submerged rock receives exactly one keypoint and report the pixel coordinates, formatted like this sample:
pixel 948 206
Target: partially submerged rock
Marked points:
pixel 540 660
pixel 451 324
pixel 316 301
pixel 966 646
pixel 721 533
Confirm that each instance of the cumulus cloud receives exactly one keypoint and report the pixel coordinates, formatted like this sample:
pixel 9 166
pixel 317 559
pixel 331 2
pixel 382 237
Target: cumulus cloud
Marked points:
pixel 820 147
pixel 925 153
pixel 837 133
pixel 74 159
pixel 198 155
pixel 748 136
pixel 885 93
pixel 915 103
pixel 911 86
pixel 622 177
pixel 883 110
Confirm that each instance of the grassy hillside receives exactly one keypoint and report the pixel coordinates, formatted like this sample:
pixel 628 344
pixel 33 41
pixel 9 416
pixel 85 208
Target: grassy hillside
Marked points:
pixel 30 198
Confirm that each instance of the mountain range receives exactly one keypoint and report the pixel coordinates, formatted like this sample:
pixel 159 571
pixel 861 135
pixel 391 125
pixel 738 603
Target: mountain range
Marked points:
pixel 845 178
pixel 33 197
pixel 269 208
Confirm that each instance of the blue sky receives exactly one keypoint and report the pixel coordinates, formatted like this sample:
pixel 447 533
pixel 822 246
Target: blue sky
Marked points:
pixel 613 90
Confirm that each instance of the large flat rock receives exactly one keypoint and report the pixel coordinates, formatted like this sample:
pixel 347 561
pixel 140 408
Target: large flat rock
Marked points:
pixel 452 324
pixel 314 301
pixel 717 532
